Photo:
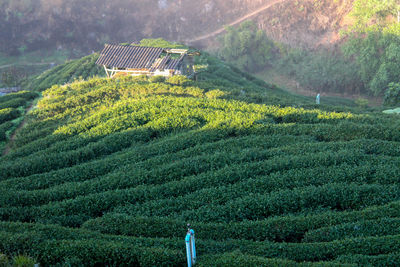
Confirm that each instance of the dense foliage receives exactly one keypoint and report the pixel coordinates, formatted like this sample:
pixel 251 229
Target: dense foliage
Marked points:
pixel 83 26
pixel 36 25
pixel 323 71
pixel 374 14
pixel 109 172
pixel 377 59
pixel 246 47
pixel 392 94
pixel 11 109
pixel 374 45
pixel 367 61
pixel 159 42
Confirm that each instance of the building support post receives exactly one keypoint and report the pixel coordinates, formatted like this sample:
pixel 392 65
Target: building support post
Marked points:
pixel 105 68
pixel 398 16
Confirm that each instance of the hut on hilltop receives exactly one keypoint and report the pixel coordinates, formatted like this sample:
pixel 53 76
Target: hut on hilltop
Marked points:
pixel 140 60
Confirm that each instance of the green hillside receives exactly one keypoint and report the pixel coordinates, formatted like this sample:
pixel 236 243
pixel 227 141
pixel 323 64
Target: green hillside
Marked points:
pixel 109 172
pixel 65 73
pixel 12 110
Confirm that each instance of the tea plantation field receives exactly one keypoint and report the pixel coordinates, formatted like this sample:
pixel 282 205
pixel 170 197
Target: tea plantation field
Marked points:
pixel 109 172
pixel 12 109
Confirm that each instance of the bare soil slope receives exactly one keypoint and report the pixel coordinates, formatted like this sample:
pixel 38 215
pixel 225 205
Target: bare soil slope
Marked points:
pixel 304 23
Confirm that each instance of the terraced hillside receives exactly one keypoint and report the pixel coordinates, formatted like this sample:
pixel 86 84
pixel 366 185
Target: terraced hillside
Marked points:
pixel 109 172
pixel 12 110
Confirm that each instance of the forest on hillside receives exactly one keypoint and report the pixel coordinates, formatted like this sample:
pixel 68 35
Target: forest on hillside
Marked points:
pixel 367 60
pixel 31 25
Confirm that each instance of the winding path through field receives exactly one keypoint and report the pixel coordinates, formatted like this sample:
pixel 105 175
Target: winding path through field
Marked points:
pixel 239 20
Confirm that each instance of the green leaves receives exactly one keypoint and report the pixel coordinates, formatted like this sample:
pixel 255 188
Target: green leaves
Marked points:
pixel 392 94
pixel 366 11
pixel 8 114
pixel 246 47
pixel 377 57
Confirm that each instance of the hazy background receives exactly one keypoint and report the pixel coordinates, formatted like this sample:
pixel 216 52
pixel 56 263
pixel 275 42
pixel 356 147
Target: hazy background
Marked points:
pixel 344 47
pixel 29 25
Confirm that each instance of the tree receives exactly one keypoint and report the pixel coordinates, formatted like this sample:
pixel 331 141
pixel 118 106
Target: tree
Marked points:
pixel 392 94
pixel 373 13
pixel 246 47
pixel 377 56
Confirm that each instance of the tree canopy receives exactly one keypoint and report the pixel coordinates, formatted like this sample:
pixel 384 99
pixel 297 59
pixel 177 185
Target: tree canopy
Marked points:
pixel 246 47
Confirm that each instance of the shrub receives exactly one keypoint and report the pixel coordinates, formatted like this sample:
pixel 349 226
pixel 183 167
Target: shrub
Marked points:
pixel 8 114
pixel 157 79
pixel 23 261
pixel 14 103
pixel 362 102
pixel 392 94
pixel 215 94
pixel 66 73
pixel 387 260
pixel 3 130
pixel 381 227
pixel 133 161
pixel 4 262
pixel 27 95
pixel 179 80
pixel 238 259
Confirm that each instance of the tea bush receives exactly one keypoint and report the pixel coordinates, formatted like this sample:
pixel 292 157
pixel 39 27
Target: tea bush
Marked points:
pixel 110 171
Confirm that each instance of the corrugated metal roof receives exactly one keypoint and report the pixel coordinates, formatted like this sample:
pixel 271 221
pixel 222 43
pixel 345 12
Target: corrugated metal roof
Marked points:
pixel 128 56
pixel 173 64
pixel 160 63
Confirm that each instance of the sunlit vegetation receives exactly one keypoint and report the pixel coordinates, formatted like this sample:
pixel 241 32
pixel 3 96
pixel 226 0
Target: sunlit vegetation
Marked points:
pixel 372 15
pixel 160 43
pixel 374 44
pixel 16 261
pixel 109 172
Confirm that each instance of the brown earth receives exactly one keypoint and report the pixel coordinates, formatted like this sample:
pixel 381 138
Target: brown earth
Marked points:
pixel 307 24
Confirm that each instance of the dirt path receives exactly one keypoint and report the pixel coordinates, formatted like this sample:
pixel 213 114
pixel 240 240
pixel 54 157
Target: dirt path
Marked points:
pixel 14 135
pixel 221 30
